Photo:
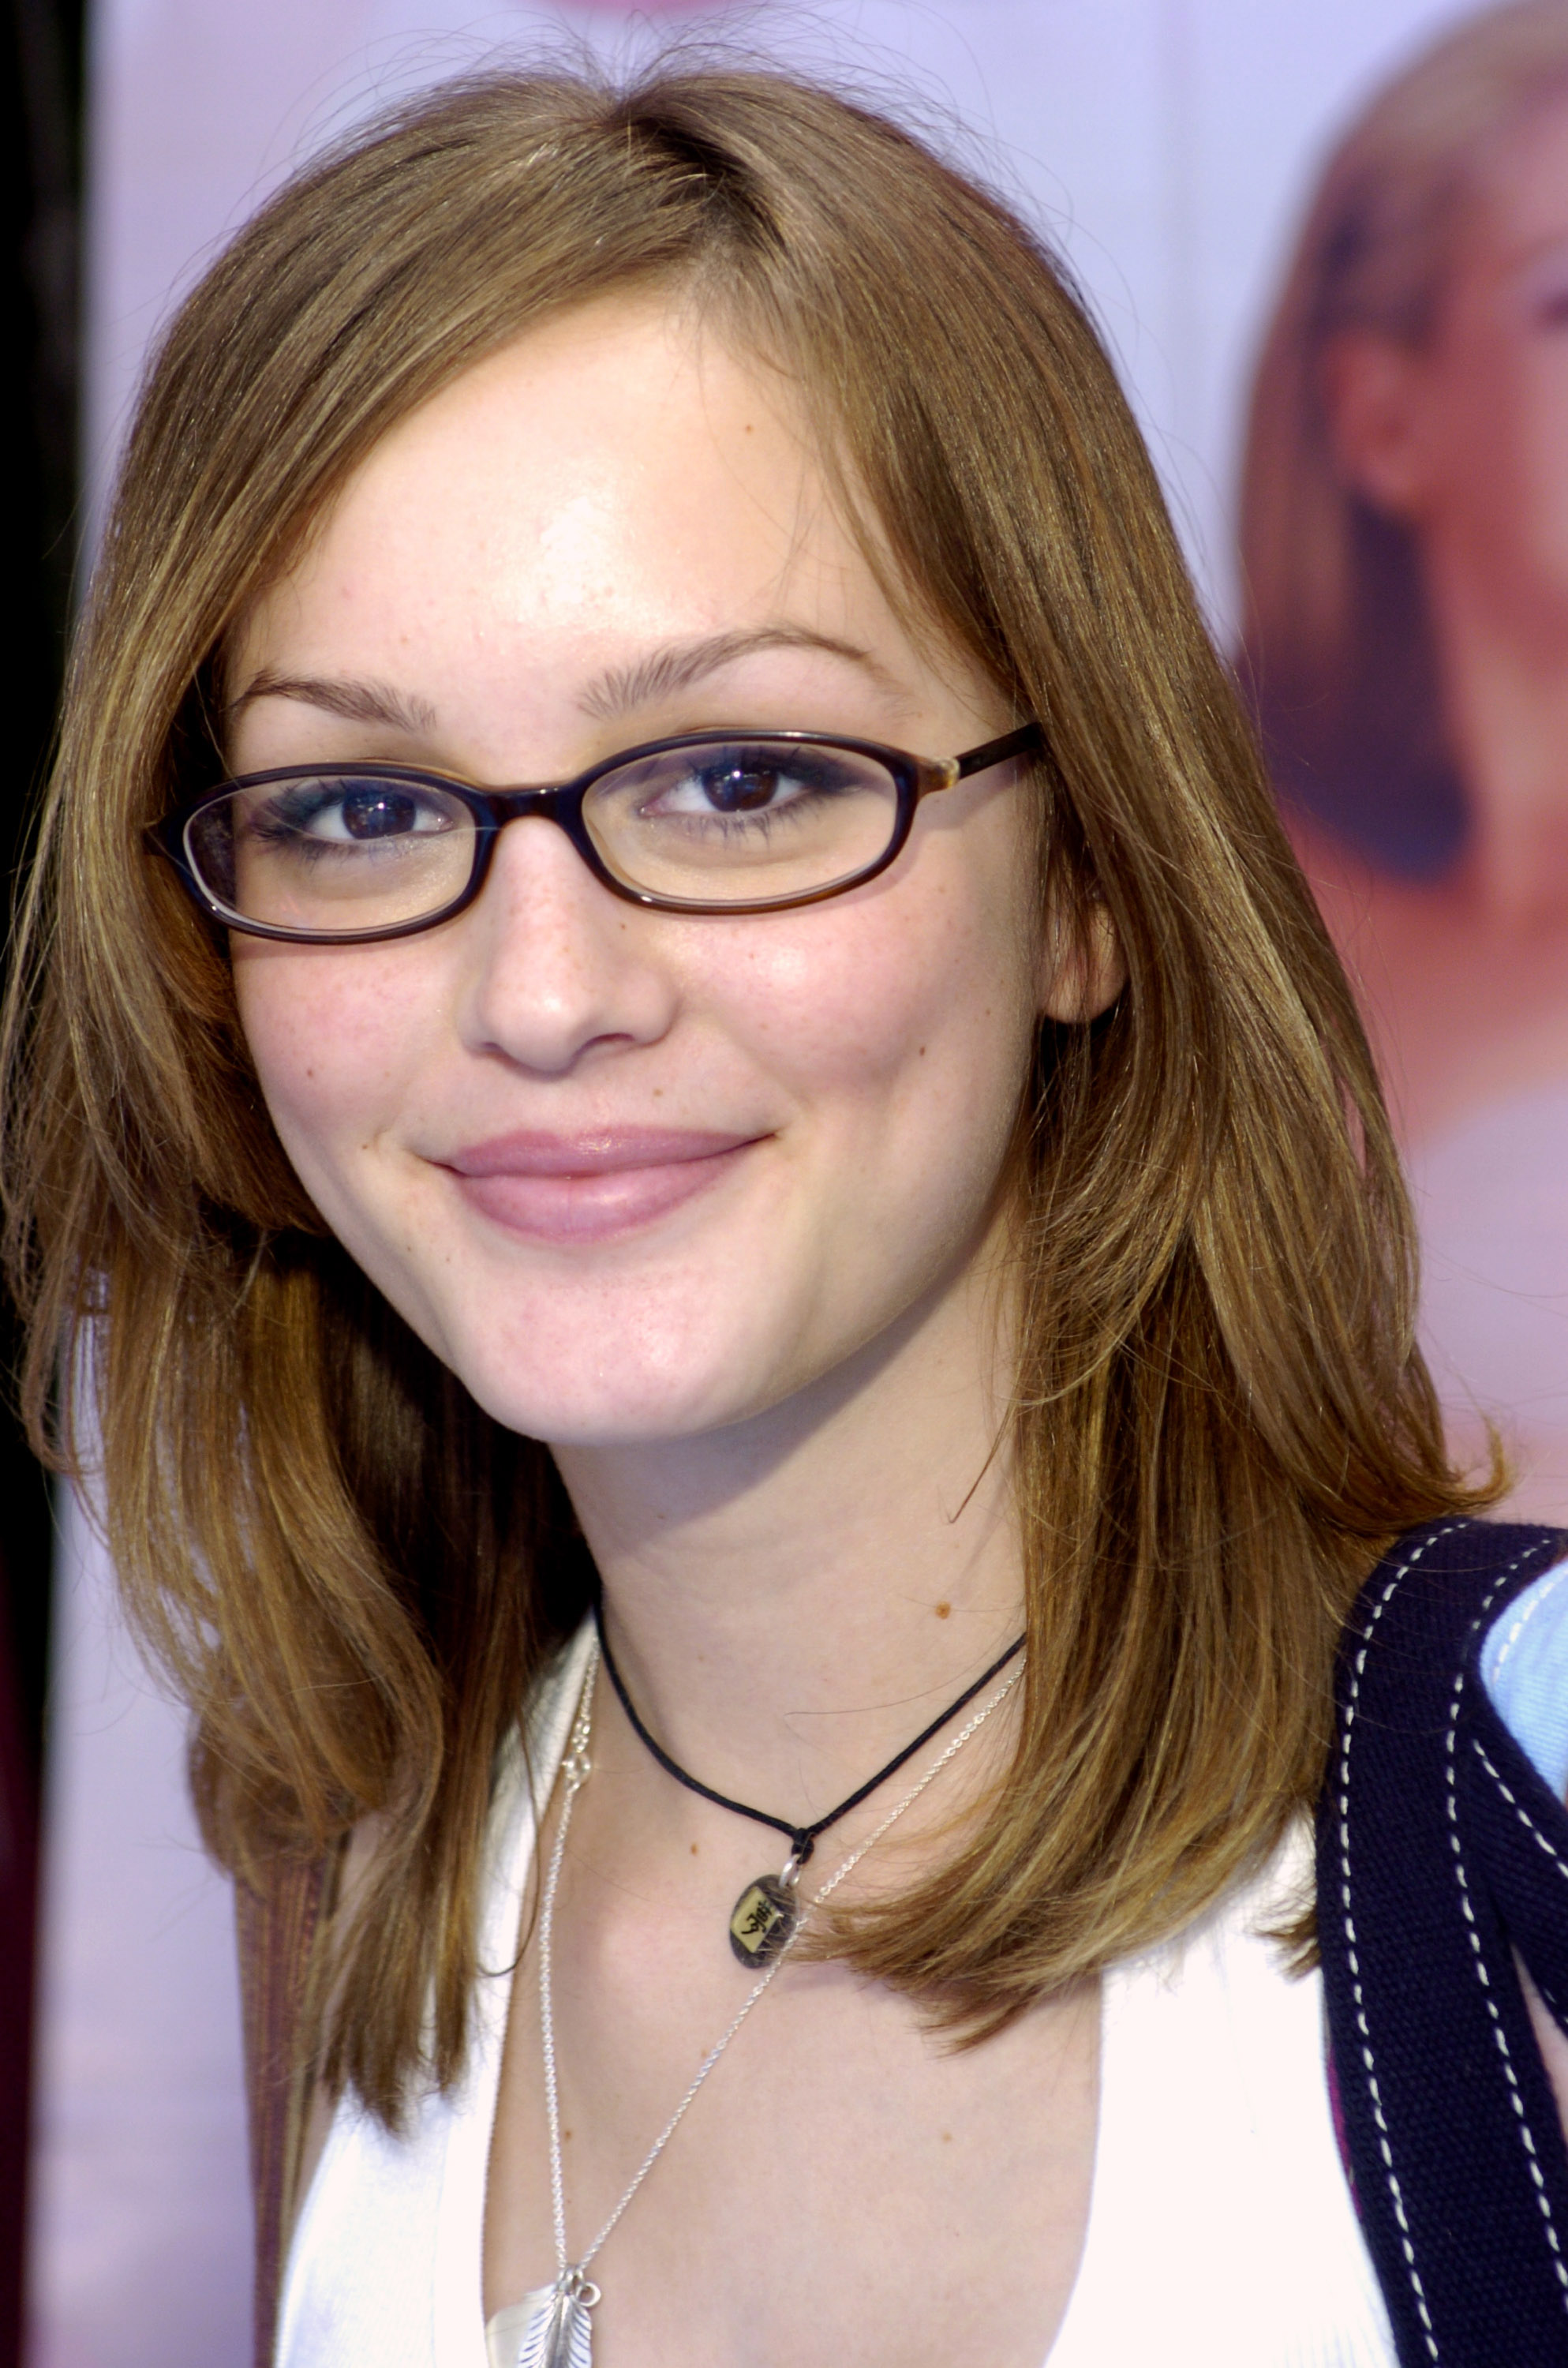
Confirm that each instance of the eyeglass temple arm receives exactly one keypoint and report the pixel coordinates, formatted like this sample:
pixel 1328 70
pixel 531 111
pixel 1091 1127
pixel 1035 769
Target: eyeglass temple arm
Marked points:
pixel 1027 738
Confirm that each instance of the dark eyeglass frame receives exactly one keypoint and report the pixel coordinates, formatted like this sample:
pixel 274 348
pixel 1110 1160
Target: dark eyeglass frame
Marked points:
pixel 913 777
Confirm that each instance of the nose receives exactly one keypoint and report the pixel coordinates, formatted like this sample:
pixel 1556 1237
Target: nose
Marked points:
pixel 559 969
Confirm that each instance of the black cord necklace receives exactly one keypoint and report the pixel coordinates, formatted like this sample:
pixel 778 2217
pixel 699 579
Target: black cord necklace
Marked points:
pixel 767 1913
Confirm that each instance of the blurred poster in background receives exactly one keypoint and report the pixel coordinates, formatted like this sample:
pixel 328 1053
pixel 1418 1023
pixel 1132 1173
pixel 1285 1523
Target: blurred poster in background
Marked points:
pixel 1404 527
pixel 1327 243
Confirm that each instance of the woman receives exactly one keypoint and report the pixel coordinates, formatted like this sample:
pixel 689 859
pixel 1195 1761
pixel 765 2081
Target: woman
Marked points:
pixel 613 1308
pixel 1405 547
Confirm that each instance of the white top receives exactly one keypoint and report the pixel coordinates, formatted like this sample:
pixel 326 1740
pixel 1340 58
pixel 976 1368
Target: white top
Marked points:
pixel 1220 2235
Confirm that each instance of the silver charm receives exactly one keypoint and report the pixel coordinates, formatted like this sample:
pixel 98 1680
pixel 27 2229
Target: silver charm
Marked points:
pixel 558 2334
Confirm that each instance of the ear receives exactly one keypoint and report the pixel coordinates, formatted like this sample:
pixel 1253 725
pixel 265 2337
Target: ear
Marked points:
pixel 1082 968
pixel 1373 389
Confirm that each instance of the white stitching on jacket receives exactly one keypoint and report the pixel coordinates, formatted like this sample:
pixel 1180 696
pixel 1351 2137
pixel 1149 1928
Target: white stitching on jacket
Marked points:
pixel 1498 2034
pixel 1343 1805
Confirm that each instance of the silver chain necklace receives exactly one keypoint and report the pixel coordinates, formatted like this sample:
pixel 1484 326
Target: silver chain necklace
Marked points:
pixel 551 2325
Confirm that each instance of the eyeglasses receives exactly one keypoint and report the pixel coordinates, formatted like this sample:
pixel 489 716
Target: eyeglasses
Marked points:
pixel 704 822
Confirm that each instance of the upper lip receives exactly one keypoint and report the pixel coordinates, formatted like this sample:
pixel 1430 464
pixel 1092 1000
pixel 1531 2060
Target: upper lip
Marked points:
pixel 599 1151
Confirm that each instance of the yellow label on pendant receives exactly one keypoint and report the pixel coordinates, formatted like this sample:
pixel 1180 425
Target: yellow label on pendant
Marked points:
pixel 763 1918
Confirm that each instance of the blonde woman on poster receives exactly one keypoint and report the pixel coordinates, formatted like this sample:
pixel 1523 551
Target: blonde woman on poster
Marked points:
pixel 1404 545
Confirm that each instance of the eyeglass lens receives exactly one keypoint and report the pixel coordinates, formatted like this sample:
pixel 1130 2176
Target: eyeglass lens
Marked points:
pixel 724 822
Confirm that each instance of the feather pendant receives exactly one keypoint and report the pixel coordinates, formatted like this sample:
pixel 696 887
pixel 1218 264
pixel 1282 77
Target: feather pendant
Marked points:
pixel 557 2333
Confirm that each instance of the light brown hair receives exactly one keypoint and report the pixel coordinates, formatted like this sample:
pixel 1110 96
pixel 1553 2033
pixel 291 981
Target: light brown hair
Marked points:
pixel 355 1575
pixel 1336 643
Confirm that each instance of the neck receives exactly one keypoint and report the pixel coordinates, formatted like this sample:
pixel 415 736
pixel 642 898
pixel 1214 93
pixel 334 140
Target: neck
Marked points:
pixel 1505 703
pixel 791 1600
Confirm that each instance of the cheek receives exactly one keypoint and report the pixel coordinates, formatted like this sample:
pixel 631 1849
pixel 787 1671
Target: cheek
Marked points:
pixel 1503 432
pixel 905 1026
pixel 1542 447
pixel 332 1040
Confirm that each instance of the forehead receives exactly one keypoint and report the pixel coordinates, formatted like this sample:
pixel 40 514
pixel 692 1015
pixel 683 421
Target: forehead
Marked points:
pixel 1521 184
pixel 617 473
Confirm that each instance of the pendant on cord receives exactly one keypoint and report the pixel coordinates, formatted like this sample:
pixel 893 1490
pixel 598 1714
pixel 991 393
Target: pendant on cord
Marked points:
pixel 558 2334
pixel 766 1917
pixel 767 1913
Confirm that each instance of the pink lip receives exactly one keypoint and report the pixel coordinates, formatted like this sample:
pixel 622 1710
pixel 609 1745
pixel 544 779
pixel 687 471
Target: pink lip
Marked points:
pixel 588 1188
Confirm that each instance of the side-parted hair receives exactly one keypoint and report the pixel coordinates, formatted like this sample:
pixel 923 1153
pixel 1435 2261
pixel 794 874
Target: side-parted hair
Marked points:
pixel 1337 645
pixel 1219 1415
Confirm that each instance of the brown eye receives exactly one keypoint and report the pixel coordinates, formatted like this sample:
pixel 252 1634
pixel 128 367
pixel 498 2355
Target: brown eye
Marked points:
pixel 739 788
pixel 378 814
pixel 355 812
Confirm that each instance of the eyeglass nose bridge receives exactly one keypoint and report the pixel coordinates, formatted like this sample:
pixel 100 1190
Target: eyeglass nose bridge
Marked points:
pixel 549 802
pixel 560 802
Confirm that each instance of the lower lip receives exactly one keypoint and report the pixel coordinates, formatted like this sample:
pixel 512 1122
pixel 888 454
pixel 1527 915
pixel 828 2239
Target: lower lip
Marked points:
pixel 594 1208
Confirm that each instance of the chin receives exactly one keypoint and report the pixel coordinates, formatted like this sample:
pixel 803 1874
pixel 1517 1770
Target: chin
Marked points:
pixel 635 1410
pixel 570 1381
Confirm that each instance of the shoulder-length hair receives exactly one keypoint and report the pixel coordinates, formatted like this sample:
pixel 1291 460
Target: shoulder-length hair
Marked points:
pixel 1337 645
pixel 354 1574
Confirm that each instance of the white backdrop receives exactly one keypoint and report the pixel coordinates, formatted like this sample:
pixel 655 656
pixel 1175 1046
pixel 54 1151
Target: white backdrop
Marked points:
pixel 1167 145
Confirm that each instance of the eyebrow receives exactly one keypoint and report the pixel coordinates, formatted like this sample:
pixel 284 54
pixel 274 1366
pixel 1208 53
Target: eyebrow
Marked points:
pixel 621 690
pixel 618 691
pixel 361 702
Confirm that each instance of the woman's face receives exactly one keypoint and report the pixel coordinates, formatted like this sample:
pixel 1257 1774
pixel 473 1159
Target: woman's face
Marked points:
pixel 1466 438
pixel 633 1174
